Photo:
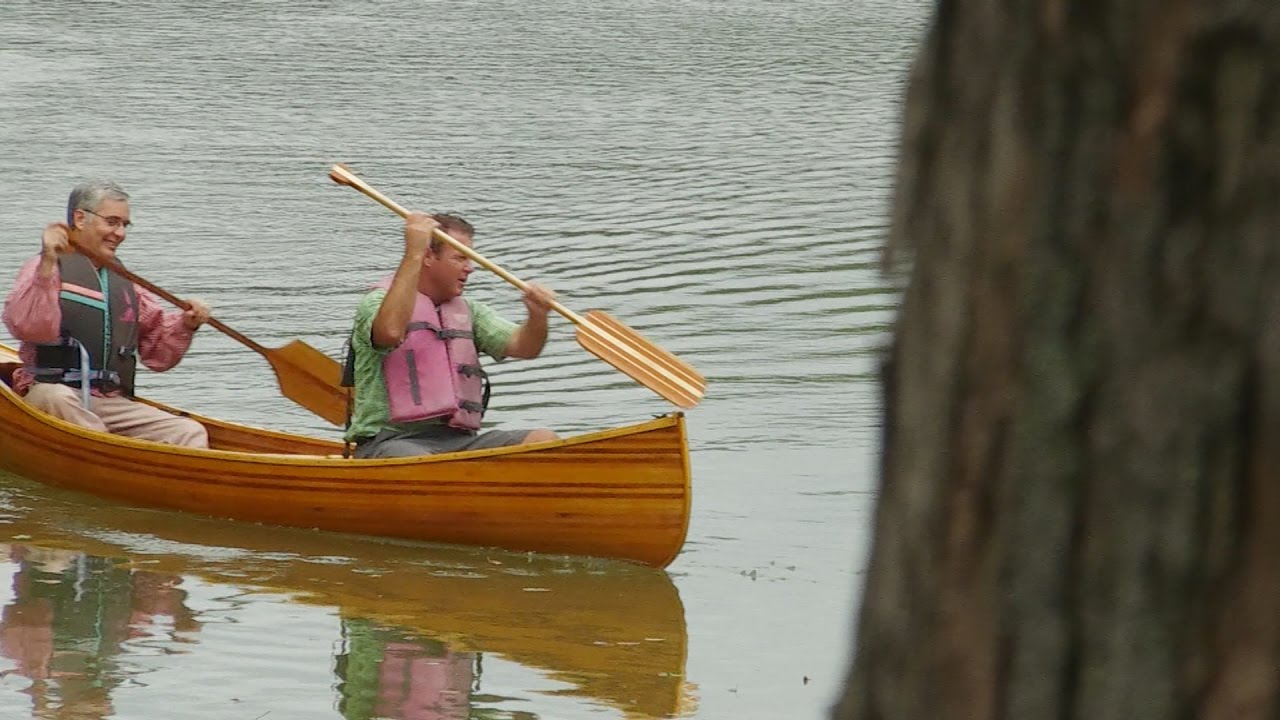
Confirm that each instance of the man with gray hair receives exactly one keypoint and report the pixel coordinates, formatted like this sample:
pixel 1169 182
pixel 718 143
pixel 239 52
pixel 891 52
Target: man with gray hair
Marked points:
pixel 83 328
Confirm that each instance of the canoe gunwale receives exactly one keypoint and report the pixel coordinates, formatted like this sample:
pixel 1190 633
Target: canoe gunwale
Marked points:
pixel 60 426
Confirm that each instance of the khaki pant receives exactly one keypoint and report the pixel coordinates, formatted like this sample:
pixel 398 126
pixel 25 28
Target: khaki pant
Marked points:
pixel 118 415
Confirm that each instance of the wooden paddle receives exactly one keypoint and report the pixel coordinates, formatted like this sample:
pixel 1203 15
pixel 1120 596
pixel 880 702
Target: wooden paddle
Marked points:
pixel 306 375
pixel 597 332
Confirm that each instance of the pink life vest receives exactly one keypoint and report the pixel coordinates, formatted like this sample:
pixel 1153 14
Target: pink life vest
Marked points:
pixel 413 685
pixel 436 371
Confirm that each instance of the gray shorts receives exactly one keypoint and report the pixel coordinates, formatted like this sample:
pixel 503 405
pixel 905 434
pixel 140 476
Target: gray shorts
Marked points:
pixel 432 441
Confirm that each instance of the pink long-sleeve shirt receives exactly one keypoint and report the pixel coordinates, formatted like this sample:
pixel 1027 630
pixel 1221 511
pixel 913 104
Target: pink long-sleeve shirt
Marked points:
pixel 33 314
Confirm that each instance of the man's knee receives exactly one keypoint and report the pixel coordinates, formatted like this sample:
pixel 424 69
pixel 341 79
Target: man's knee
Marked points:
pixel 64 403
pixel 540 435
pixel 189 433
pixel 49 396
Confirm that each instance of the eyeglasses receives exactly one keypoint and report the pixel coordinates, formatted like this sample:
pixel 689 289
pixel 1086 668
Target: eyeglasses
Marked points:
pixel 112 221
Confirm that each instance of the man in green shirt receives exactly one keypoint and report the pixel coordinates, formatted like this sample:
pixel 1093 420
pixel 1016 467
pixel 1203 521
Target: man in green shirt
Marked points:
pixel 436 270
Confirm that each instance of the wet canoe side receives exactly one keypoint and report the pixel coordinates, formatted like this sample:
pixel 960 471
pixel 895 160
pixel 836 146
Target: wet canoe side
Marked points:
pixel 621 493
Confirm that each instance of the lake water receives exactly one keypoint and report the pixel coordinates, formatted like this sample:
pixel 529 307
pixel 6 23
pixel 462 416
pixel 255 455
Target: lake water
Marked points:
pixel 716 174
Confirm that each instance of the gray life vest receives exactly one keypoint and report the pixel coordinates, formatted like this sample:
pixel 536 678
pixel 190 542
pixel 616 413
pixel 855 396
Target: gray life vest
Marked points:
pixel 98 343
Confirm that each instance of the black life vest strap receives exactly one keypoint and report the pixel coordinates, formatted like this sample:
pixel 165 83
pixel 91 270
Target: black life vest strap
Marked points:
pixel 81 374
pixel 440 332
pixel 73 377
pixel 478 371
pixel 349 366
pixel 349 381
pixel 421 325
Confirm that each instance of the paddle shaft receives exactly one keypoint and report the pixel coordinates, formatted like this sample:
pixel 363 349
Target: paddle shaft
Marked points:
pixel 599 334
pixel 306 376
pixel 115 267
pixel 339 174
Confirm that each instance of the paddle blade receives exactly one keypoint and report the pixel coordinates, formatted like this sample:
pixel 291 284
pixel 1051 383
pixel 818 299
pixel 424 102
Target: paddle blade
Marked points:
pixel 311 379
pixel 646 363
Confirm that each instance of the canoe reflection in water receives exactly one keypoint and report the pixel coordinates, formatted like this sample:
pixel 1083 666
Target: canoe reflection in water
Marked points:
pixel 68 617
pixel 98 600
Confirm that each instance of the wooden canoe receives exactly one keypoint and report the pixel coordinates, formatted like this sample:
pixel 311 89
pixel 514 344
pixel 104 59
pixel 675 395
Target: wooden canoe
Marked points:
pixel 621 493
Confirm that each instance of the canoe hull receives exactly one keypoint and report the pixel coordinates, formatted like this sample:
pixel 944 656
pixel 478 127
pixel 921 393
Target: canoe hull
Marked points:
pixel 622 493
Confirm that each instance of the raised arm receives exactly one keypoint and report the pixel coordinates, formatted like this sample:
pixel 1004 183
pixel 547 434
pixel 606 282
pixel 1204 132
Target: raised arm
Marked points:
pixel 32 312
pixel 392 320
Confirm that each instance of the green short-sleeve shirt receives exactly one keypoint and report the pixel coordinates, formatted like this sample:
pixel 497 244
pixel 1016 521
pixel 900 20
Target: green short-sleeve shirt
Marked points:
pixel 373 411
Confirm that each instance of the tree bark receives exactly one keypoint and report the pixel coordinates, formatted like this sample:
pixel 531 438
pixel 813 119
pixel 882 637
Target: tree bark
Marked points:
pixel 1079 514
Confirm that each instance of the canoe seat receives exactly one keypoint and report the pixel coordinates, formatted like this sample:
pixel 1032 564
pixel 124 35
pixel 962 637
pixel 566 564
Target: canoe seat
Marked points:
pixel 6 372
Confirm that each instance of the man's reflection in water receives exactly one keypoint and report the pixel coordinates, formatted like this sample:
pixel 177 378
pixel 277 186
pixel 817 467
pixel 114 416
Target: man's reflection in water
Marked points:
pixel 385 672
pixel 70 614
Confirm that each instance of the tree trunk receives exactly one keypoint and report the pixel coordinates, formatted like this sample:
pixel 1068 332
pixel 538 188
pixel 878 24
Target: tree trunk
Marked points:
pixel 1079 515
